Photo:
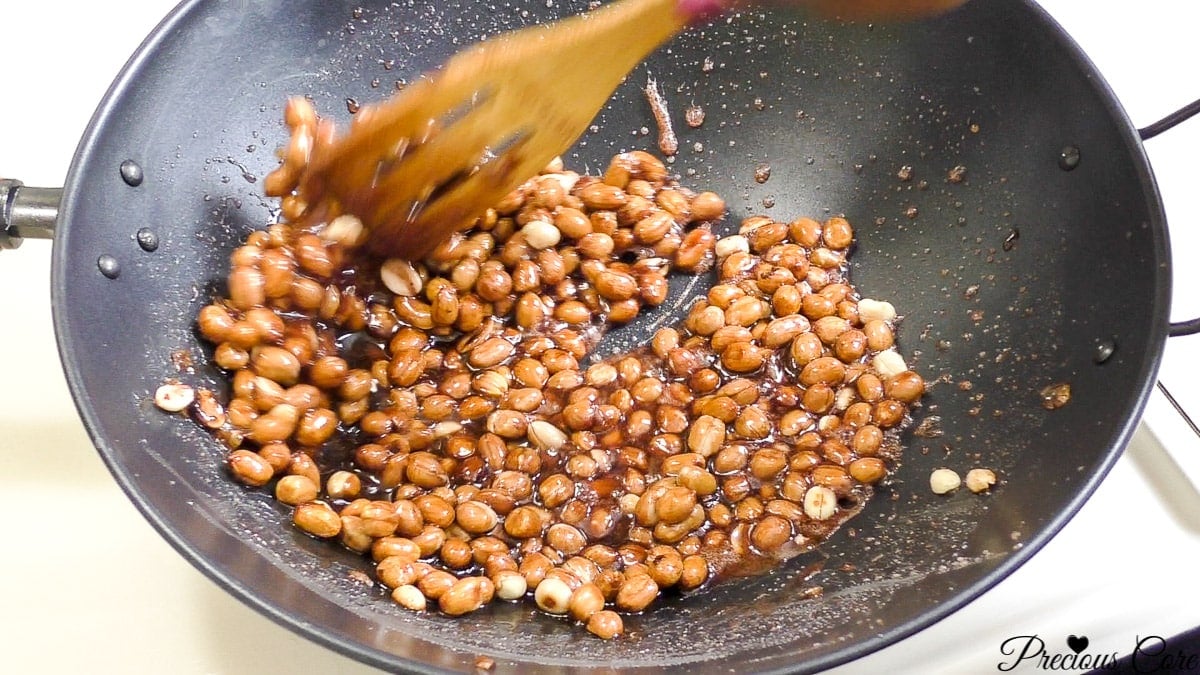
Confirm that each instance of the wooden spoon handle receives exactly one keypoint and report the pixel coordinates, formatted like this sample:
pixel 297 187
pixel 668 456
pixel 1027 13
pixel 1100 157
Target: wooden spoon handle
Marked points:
pixel 696 11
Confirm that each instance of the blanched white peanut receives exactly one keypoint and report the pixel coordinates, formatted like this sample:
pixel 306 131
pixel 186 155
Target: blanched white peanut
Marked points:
pixel 400 277
pixel 510 585
pixel 174 397
pixel 942 481
pixel 567 179
pixel 409 596
pixel 540 234
pixel 889 363
pixel 628 502
pixel 869 310
pixel 820 502
pixel 346 230
pixel 553 595
pixel 727 246
pixel 545 435
pixel 444 429
pixel 845 396
pixel 979 480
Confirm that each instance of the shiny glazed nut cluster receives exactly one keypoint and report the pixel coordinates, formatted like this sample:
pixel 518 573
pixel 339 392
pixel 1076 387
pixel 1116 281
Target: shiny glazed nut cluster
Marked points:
pixel 442 416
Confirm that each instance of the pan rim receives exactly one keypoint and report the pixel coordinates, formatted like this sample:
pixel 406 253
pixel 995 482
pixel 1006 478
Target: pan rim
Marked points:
pixel 70 348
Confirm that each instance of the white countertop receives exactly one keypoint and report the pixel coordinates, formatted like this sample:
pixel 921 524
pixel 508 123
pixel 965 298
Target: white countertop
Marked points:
pixel 88 586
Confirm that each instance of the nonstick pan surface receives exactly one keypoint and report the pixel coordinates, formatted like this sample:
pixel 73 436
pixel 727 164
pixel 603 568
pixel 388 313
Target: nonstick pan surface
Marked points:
pixel 1089 267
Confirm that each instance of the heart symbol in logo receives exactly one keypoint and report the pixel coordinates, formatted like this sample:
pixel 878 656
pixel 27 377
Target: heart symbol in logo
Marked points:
pixel 1077 643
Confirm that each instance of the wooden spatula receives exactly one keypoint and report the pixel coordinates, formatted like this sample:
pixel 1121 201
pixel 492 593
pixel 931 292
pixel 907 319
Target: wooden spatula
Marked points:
pixel 430 160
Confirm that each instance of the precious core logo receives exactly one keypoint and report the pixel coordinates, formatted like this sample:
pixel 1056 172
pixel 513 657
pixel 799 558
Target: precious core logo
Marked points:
pixel 1151 654
pixel 1032 649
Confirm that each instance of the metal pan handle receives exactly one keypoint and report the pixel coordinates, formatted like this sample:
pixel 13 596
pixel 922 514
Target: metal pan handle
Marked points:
pixel 26 212
pixel 1192 326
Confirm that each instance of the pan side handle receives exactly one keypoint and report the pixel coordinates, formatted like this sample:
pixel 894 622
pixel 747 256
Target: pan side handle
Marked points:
pixel 26 212
pixel 1189 327
pixel 1192 326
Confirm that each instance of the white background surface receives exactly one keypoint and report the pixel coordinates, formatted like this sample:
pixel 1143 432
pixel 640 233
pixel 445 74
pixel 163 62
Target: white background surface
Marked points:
pixel 87 586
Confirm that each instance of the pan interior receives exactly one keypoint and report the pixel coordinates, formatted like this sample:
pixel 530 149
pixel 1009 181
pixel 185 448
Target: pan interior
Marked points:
pixel 1010 280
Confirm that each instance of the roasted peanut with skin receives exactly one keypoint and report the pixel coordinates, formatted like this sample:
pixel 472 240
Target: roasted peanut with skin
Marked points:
pixel 489 457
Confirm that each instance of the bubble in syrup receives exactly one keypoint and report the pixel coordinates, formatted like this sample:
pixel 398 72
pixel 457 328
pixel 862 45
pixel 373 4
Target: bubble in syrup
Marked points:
pixel 352 106
pixel 1104 350
pixel 131 173
pixel 1068 158
pixel 108 266
pixel 147 239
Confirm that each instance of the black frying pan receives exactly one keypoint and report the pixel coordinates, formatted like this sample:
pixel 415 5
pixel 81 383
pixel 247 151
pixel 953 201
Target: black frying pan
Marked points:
pixel 1078 294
